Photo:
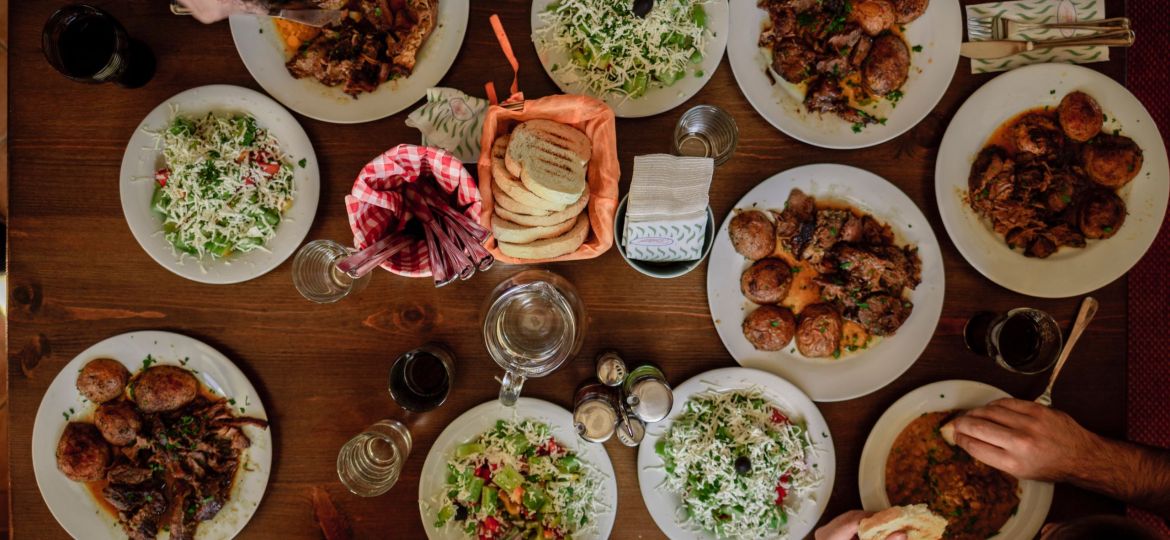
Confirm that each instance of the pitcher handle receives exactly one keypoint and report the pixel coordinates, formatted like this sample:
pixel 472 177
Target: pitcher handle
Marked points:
pixel 510 390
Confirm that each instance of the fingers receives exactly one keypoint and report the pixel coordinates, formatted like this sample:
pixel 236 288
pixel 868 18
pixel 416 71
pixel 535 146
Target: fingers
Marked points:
pixel 990 454
pixel 1003 416
pixel 843 527
pixel 898 536
pixel 984 430
pixel 1028 408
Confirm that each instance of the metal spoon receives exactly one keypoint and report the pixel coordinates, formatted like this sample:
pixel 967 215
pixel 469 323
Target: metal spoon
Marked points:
pixel 1088 309
pixel 643 7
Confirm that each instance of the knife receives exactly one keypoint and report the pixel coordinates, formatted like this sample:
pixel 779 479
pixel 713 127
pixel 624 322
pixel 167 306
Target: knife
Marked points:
pixel 301 12
pixel 984 50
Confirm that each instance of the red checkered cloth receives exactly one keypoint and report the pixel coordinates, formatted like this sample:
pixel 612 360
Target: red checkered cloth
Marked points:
pixel 375 205
pixel 1148 419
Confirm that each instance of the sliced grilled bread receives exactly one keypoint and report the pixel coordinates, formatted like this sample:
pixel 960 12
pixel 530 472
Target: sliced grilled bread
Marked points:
pixel 544 221
pixel 512 186
pixel 502 200
pixel 550 247
pixel 550 159
pixel 515 233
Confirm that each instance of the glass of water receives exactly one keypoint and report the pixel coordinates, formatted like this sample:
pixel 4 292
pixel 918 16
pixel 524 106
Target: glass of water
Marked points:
pixel 706 131
pixel 317 277
pixel 370 463
pixel 532 323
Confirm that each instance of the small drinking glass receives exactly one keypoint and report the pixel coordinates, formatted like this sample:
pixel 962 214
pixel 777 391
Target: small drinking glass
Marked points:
pixel 1023 340
pixel 706 131
pixel 369 464
pixel 317 277
pixel 88 45
pixel 532 323
pixel 420 380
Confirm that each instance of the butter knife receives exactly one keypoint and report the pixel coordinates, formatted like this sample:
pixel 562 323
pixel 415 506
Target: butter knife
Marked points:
pixel 299 12
pixel 984 50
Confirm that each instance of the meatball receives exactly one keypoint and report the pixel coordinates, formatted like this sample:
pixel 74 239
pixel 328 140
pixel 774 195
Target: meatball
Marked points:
pixel 1100 213
pixel 818 333
pixel 793 61
pixel 118 422
pixel 102 379
pixel 752 234
pixel 908 10
pixel 882 314
pixel 82 454
pixel 1080 116
pixel 769 328
pixel 1036 134
pixel 767 281
pixel 164 388
pixel 874 16
pixel 887 66
pixel 1112 160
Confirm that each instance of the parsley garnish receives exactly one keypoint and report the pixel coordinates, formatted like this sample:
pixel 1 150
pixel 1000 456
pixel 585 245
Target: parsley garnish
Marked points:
pixel 916 48
pixel 148 361
pixel 303 162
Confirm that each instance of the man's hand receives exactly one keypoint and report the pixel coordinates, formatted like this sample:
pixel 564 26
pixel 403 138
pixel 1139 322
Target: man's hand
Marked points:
pixel 1027 440
pixel 844 527
pixel 209 11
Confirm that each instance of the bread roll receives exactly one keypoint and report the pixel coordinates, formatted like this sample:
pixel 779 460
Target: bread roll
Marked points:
pixel 916 521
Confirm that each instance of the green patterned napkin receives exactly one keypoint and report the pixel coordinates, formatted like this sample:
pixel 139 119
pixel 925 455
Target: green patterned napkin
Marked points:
pixel 1041 11
pixel 666 216
pixel 451 120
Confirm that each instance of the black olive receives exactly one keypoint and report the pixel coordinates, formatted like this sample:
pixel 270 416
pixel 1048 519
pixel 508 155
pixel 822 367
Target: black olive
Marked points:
pixel 460 512
pixel 743 465
pixel 643 7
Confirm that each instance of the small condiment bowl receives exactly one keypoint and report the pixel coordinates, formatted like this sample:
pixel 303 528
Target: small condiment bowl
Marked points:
pixel 665 269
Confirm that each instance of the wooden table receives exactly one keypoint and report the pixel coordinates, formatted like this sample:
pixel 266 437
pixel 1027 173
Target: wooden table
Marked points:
pixel 78 276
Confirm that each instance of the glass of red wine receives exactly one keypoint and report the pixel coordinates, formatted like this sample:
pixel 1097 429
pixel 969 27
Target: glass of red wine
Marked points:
pixel 421 379
pixel 1023 340
pixel 88 45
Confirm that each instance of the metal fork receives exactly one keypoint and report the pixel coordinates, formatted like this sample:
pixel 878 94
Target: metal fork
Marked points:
pixel 1000 27
pixel 1088 310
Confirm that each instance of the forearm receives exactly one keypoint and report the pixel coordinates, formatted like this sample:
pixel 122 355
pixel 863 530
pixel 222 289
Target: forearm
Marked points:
pixel 1134 474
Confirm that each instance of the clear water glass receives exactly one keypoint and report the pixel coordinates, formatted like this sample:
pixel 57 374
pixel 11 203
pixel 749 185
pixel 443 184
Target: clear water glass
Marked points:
pixel 706 131
pixel 316 276
pixel 369 464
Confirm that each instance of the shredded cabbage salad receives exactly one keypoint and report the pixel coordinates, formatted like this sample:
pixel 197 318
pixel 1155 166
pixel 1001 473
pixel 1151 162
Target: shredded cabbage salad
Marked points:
pixel 612 50
pixel 517 481
pixel 225 186
pixel 738 463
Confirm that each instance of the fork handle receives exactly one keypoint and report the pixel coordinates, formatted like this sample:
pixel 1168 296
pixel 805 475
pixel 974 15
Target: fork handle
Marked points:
pixel 1122 38
pixel 1111 24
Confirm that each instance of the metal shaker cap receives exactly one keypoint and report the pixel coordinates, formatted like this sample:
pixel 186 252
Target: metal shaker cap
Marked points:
pixel 631 431
pixel 595 419
pixel 650 399
pixel 611 369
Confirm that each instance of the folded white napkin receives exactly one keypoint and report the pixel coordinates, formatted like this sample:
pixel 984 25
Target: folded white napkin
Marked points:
pixel 1040 11
pixel 666 216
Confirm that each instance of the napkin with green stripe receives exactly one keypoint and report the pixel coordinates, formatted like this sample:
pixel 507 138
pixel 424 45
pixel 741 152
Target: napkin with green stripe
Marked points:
pixel 666 215
pixel 1037 11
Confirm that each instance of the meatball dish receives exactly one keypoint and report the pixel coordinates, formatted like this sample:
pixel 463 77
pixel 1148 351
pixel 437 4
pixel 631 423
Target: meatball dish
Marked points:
pixel 922 468
pixel 844 55
pixel 377 40
pixel 161 453
pixel 1048 178
pixel 828 276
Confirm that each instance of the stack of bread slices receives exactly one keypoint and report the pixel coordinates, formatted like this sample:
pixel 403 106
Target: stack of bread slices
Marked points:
pixel 540 190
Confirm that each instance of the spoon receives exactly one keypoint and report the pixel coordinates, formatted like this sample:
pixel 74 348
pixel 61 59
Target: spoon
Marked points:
pixel 643 7
pixel 1088 310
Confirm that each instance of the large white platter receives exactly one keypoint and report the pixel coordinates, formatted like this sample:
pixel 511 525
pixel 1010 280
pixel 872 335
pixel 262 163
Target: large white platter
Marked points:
pixel 143 157
pixel 1035 497
pixel 260 48
pixel 482 418
pixel 854 374
pixel 664 506
pixel 1069 271
pixel 655 100
pixel 72 504
pixel 939 31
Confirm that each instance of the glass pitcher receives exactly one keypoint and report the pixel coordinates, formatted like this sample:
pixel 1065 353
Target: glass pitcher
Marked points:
pixel 532 322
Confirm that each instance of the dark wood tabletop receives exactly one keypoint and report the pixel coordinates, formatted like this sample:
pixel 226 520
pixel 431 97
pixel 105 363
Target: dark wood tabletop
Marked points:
pixel 77 276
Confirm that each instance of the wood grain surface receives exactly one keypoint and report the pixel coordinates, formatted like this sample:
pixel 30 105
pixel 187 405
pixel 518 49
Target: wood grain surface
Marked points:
pixel 78 276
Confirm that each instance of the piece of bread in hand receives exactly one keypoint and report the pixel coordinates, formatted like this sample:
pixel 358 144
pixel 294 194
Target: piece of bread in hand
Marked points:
pixel 515 233
pixel 550 158
pixel 947 431
pixel 544 221
pixel 513 188
pixel 550 247
pixel 917 522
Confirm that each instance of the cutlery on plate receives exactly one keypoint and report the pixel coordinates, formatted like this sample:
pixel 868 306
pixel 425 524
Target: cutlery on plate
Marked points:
pixel 1000 27
pixel 1088 310
pixel 984 50
pixel 303 13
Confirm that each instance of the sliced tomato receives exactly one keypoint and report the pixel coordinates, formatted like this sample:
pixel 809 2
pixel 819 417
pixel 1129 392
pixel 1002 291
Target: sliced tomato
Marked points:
pixel 779 417
pixel 162 176
pixel 269 168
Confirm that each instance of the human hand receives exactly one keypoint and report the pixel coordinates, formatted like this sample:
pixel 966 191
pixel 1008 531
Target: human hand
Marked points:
pixel 1027 440
pixel 844 527
pixel 209 11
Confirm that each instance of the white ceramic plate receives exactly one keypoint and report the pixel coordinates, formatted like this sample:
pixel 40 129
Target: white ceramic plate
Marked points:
pixel 939 31
pixel 663 506
pixel 1069 271
pixel 71 503
pixel 143 157
pixel 655 100
pixel 482 418
pixel 854 374
pixel 1035 497
pixel 260 48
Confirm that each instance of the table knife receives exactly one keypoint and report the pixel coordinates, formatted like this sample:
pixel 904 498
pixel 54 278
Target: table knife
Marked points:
pixel 983 50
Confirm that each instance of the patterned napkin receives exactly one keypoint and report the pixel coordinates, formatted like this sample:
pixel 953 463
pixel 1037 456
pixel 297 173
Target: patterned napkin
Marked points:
pixel 666 216
pixel 451 120
pixel 1038 11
